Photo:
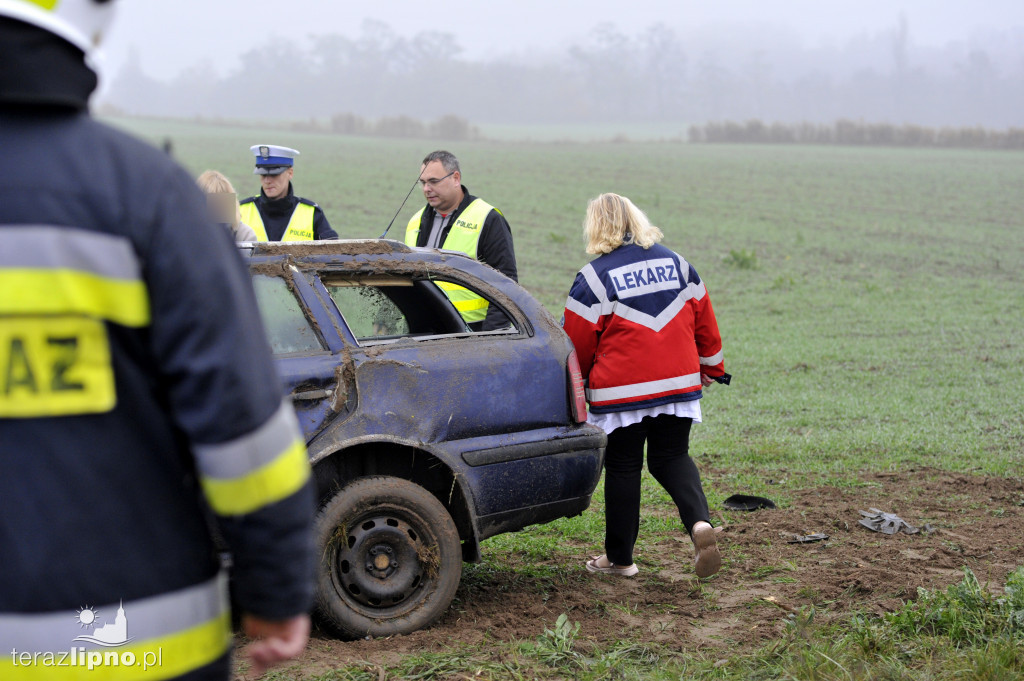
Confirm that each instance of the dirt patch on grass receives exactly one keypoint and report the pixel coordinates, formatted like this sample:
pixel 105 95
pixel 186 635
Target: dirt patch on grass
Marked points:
pixel 976 522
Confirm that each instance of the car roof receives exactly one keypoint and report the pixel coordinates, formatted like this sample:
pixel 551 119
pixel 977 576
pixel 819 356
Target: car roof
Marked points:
pixel 342 247
pixel 371 255
pixel 379 256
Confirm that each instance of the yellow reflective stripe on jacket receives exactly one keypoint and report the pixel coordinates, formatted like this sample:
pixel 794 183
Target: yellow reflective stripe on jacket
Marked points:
pixel 463 236
pixel 257 469
pixel 272 483
pixel 79 293
pixel 52 270
pixel 300 224
pixel 163 636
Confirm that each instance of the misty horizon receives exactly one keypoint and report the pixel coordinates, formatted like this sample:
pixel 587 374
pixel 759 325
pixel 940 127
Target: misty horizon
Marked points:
pixel 608 76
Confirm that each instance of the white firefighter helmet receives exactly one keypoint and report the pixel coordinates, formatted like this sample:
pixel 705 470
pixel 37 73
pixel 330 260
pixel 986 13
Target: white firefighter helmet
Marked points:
pixel 80 22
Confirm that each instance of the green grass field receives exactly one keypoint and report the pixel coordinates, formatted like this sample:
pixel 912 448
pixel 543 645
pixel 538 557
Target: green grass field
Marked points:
pixel 871 301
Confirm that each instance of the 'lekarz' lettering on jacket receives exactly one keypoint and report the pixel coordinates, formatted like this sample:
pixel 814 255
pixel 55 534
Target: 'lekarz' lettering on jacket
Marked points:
pixel 648 303
pixel 646 276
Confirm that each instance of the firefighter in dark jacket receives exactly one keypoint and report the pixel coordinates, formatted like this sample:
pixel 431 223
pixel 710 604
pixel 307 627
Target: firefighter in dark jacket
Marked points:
pixel 139 405
pixel 277 214
pixel 456 220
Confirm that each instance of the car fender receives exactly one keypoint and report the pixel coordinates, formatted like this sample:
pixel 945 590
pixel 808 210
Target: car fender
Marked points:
pixel 434 466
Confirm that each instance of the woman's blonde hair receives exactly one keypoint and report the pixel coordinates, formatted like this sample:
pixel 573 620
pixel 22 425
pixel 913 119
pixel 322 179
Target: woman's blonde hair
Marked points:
pixel 214 182
pixel 613 220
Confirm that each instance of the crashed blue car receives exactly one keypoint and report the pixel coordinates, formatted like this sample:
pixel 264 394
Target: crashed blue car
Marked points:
pixel 425 437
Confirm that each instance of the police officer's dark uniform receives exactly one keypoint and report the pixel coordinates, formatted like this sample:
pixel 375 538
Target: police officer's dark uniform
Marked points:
pixel 290 217
pixel 136 390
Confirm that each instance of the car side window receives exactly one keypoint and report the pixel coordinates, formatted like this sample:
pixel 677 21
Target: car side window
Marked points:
pixel 379 308
pixel 287 327
pixel 367 309
pixel 479 312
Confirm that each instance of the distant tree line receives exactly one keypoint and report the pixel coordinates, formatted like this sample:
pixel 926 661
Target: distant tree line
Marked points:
pixel 449 127
pixel 610 77
pixel 856 133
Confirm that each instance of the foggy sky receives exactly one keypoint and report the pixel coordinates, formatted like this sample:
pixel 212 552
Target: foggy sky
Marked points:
pixel 168 37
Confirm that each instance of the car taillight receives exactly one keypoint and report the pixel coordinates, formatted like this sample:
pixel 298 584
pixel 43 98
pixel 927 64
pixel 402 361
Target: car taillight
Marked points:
pixel 577 394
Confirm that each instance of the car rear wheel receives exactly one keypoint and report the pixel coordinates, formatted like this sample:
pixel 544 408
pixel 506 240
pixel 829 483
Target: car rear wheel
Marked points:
pixel 390 559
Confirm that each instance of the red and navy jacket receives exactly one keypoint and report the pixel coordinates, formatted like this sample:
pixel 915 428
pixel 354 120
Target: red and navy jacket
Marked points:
pixel 644 330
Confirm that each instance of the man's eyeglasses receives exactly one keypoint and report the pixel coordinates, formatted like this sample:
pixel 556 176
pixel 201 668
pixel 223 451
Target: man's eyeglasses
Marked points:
pixel 434 181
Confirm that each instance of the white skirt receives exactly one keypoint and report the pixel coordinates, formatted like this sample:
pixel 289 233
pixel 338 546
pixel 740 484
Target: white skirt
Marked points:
pixel 620 419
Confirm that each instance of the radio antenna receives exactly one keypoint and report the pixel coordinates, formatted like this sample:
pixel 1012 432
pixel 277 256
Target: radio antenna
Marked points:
pixel 402 206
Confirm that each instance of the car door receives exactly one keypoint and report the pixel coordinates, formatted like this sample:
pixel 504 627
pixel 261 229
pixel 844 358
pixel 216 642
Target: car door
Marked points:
pixel 307 350
pixel 422 372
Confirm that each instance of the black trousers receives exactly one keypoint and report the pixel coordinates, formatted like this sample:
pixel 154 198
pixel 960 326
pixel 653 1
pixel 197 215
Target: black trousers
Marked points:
pixel 668 459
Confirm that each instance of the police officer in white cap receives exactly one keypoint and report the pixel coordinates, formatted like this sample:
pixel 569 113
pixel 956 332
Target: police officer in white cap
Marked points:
pixel 277 214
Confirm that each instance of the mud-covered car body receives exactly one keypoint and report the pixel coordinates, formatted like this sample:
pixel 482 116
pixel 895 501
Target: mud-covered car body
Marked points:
pixel 390 384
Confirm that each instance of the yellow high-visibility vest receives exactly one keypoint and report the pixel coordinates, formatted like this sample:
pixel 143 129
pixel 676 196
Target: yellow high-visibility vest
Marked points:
pixel 300 225
pixel 463 236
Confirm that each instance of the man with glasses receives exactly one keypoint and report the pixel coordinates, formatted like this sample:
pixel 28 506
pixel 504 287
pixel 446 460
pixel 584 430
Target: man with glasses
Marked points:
pixel 456 220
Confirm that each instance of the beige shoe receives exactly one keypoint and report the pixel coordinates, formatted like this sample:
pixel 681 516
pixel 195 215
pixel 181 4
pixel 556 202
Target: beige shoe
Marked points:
pixel 709 560
pixel 602 565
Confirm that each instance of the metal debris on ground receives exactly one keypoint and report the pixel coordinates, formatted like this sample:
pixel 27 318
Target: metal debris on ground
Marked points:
pixel 886 523
pixel 807 538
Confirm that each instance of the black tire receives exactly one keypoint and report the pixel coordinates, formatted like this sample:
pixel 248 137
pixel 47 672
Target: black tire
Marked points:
pixel 390 558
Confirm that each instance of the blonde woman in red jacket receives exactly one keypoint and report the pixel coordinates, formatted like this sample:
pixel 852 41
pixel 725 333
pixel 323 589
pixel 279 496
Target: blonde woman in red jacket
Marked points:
pixel 648 343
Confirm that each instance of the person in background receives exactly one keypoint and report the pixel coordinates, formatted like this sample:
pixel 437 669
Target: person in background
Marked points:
pixel 642 324
pixel 277 214
pixel 139 401
pixel 456 220
pixel 223 204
